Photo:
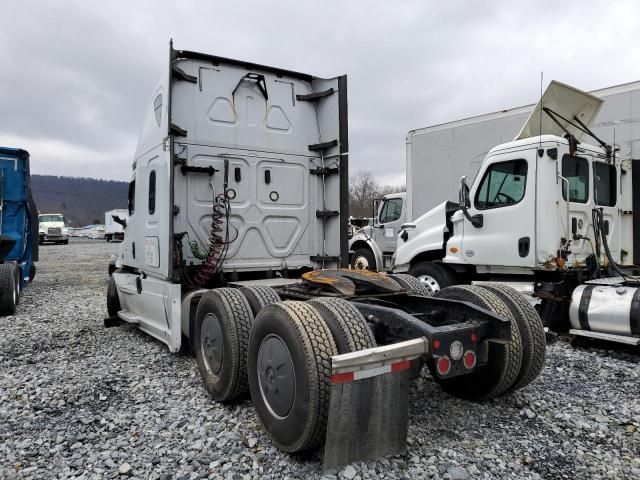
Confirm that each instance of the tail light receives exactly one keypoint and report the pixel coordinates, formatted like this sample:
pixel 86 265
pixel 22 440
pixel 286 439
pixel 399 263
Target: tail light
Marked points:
pixel 469 359
pixel 443 365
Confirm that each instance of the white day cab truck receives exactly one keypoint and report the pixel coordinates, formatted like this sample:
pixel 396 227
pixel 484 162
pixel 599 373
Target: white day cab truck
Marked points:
pixel 438 155
pixel 234 248
pixel 114 223
pixel 548 210
pixel 52 228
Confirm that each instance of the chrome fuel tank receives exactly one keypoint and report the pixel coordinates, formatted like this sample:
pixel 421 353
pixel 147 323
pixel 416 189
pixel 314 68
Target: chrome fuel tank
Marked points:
pixel 613 309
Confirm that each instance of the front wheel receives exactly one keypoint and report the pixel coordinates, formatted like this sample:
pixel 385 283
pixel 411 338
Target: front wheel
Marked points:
pixel 434 276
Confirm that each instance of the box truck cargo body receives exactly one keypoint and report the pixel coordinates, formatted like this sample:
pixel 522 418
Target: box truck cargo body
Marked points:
pixel 437 156
pixel 114 230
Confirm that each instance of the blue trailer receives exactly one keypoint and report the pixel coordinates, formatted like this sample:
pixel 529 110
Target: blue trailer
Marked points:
pixel 18 227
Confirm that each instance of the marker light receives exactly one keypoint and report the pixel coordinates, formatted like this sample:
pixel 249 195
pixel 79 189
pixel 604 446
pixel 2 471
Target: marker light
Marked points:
pixel 443 365
pixel 469 359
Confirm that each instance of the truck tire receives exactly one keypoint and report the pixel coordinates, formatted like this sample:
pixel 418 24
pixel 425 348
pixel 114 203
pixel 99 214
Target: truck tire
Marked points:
pixel 504 360
pixel 292 406
pixel 348 326
pixel 222 326
pixel 113 301
pixel 32 273
pixel 8 291
pixel 363 259
pixel 259 297
pixel 434 276
pixel 531 331
pixel 411 284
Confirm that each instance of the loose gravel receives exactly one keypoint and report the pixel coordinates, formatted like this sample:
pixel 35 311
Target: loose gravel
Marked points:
pixel 81 401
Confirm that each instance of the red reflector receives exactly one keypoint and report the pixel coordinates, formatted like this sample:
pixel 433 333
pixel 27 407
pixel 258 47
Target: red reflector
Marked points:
pixel 397 367
pixel 436 344
pixel 342 377
pixel 474 337
pixel 469 359
pixel 443 365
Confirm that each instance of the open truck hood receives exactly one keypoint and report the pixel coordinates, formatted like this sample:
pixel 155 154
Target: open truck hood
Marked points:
pixel 566 101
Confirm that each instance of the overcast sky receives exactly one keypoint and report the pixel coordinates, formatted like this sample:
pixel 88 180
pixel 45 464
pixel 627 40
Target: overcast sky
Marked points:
pixel 76 76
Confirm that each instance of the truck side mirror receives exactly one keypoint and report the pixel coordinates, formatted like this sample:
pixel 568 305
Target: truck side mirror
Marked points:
pixel 476 220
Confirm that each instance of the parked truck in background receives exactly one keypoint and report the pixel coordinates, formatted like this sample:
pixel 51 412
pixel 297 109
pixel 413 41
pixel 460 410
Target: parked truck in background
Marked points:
pixel 437 156
pixel 114 223
pixel 373 246
pixel 18 226
pixel 52 228
pixel 237 231
pixel 550 210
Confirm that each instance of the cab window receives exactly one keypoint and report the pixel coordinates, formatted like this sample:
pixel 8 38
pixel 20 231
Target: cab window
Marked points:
pixel 391 210
pixel 503 184
pixel 604 179
pixel 576 171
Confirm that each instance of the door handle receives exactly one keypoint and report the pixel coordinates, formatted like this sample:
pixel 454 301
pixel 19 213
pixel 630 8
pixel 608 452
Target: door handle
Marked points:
pixel 523 246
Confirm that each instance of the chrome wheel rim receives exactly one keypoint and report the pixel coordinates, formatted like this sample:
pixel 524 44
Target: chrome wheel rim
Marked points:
pixel 431 283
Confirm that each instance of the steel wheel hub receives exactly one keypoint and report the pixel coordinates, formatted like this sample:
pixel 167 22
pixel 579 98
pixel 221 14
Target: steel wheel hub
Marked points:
pixel 211 343
pixel 429 282
pixel 276 376
pixel 361 263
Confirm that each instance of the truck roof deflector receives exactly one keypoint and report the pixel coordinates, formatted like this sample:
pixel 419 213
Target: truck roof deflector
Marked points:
pixel 567 101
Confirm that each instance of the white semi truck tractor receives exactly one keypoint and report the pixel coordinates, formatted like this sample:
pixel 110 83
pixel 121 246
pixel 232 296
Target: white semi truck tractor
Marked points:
pixel 234 248
pixel 549 210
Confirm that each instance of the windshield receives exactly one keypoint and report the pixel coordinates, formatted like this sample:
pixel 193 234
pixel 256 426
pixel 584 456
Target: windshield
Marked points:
pixel 51 218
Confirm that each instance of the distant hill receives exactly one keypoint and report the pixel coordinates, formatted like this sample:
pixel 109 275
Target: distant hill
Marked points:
pixel 82 201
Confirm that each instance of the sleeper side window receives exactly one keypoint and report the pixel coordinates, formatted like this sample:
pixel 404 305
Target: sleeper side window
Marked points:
pixel 132 197
pixel 152 192
pixel 605 184
pixel 576 171
pixel 503 184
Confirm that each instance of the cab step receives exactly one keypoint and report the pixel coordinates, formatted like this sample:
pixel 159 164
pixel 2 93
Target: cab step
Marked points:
pixel 128 317
pixel 610 337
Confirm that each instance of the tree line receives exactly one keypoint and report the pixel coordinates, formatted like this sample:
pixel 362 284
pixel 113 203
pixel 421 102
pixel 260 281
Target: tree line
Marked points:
pixel 363 190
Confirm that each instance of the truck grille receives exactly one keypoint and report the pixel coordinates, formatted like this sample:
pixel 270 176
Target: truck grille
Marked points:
pixel 55 230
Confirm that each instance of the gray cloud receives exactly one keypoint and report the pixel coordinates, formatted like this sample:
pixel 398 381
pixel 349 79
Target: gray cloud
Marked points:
pixel 76 78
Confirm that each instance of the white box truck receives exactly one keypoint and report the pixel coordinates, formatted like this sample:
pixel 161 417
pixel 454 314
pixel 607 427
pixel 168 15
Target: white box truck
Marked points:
pixel 114 223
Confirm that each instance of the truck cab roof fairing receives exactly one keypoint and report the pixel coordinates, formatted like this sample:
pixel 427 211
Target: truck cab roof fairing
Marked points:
pixel 566 101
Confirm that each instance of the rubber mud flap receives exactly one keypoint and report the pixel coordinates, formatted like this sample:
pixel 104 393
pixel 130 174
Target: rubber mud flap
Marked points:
pixel 368 419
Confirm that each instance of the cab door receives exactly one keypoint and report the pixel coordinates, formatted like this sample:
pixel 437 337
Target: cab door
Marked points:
pixel 387 228
pixel 504 195
pixel 605 196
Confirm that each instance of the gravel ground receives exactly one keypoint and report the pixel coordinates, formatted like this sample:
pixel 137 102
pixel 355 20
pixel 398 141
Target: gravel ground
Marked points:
pixel 81 401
